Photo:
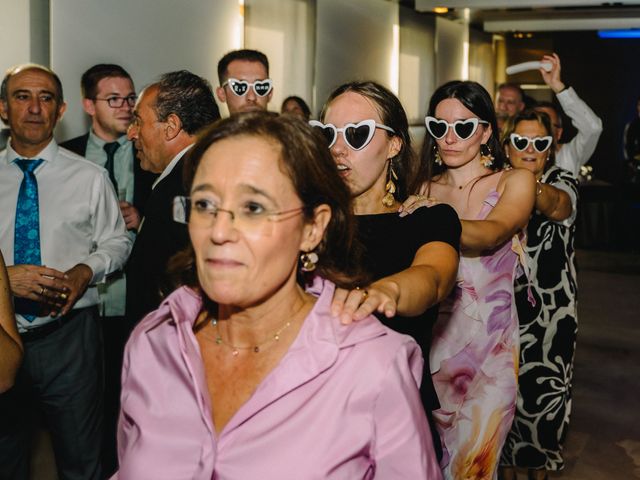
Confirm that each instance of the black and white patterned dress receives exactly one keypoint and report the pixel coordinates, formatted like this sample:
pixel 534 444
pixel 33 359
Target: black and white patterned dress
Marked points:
pixel 547 338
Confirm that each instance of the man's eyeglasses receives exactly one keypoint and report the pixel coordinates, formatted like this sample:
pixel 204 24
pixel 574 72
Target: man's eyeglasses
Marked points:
pixel 356 135
pixel 540 144
pixel 118 102
pixel 241 87
pixel 250 217
pixel 463 129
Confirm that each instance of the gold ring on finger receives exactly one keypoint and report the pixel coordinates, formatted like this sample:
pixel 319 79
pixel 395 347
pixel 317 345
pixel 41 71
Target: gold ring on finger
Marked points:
pixel 63 296
pixel 42 289
pixel 365 294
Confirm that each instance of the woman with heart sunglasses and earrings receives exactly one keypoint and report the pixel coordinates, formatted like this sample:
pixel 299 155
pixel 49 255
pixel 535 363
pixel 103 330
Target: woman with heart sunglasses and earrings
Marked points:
pixel 475 346
pixel 548 328
pixel 413 259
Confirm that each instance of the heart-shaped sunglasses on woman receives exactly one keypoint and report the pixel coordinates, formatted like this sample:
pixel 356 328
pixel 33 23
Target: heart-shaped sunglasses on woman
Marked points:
pixel 356 135
pixel 241 87
pixel 463 129
pixel 540 144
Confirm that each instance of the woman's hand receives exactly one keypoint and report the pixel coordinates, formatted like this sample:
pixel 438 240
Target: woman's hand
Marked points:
pixel 414 202
pixel 356 304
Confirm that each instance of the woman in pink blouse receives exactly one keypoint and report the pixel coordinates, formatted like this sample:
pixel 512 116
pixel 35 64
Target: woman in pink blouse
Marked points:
pixel 244 373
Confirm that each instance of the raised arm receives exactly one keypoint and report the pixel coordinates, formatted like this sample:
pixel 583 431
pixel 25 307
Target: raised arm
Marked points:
pixel 587 123
pixel 11 350
pixel 517 190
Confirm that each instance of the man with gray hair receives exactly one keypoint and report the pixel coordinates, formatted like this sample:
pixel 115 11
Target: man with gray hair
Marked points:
pixel 62 233
pixel 166 119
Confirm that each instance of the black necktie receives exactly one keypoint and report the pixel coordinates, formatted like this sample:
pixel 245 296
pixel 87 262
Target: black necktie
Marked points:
pixel 111 148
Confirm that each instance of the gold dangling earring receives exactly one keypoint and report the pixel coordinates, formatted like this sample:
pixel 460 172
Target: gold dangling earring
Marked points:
pixel 308 260
pixel 388 200
pixel 436 156
pixel 486 158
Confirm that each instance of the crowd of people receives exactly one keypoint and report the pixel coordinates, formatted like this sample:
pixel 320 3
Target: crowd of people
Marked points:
pixel 298 298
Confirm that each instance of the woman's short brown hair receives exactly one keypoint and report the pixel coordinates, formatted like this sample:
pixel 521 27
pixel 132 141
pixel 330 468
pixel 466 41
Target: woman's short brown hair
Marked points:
pixel 305 159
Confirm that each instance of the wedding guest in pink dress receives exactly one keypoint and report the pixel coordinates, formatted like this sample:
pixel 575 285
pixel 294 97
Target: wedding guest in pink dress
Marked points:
pixel 243 373
pixel 475 344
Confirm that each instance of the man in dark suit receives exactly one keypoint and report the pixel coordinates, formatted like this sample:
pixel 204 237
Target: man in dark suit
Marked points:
pixel 166 118
pixel 108 98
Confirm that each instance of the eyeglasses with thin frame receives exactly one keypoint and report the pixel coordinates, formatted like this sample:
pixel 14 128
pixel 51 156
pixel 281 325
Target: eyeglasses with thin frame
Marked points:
pixel 463 129
pixel 240 87
pixel 356 135
pixel 118 102
pixel 521 143
pixel 250 217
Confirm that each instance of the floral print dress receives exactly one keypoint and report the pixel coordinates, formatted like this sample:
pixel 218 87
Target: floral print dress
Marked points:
pixel 474 358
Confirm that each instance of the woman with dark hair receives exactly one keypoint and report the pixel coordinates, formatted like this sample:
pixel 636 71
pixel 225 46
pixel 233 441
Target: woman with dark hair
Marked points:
pixel 244 374
pixel 296 106
pixel 548 327
pixel 412 260
pixel 475 344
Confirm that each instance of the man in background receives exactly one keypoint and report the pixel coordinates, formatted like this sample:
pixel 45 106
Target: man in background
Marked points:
pixel 245 85
pixel 509 102
pixel 166 119
pixel 108 97
pixel 574 154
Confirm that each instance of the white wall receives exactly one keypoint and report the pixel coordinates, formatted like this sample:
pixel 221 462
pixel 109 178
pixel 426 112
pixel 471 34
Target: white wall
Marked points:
pixel 15 36
pixel 146 37
pixel 354 41
pixel 313 46
pixel 284 30
pixel 451 61
pixel 482 59
pixel 417 63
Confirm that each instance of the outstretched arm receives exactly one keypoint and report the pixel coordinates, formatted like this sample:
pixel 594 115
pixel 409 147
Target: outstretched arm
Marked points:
pixel 553 203
pixel 10 345
pixel 517 190
pixel 425 282
pixel 409 292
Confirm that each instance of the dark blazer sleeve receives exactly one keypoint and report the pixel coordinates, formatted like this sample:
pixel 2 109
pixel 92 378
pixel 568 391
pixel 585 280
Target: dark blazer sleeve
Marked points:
pixel 77 145
pixel 157 241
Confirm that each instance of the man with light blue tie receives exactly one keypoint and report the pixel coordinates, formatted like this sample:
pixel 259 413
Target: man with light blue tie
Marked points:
pixel 62 233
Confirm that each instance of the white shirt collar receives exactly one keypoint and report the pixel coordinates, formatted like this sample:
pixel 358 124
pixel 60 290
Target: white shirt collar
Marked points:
pixel 48 153
pixel 169 168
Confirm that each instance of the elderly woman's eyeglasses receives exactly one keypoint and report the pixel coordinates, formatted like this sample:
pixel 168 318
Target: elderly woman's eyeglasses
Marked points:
pixel 540 144
pixel 356 135
pixel 463 129
pixel 250 217
pixel 241 87
pixel 118 102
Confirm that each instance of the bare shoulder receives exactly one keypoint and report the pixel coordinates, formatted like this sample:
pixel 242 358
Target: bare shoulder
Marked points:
pixel 517 177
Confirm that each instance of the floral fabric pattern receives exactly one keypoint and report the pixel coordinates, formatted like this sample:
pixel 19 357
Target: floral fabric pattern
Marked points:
pixel 474 361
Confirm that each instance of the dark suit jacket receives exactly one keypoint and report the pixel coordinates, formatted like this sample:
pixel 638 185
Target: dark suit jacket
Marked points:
pixel 142 180
pixel 157 241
